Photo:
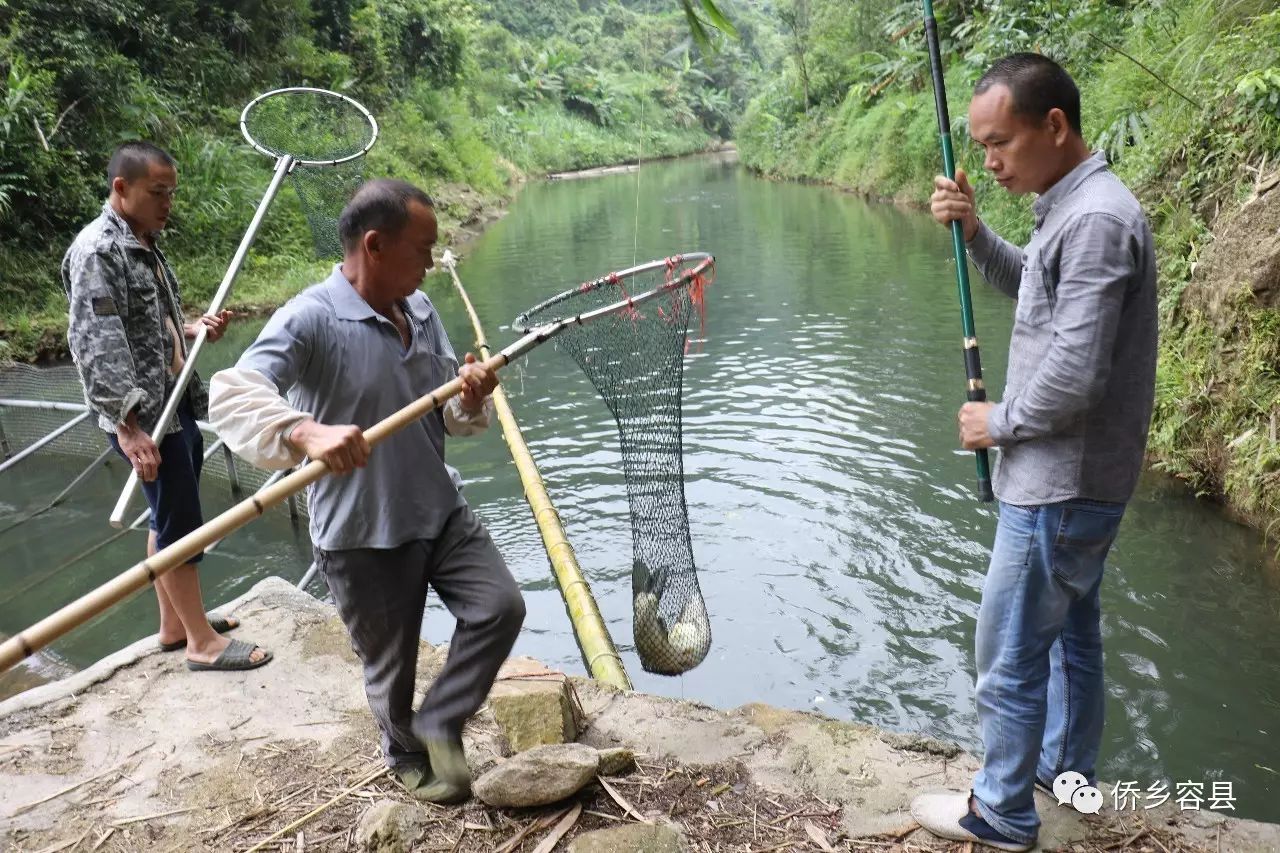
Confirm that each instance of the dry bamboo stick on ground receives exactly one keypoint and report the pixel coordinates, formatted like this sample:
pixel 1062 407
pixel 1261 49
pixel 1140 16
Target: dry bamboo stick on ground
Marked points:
pixel 553 838
pixel 55 848
pixel 539 823
pixel 70 788
pixel 621 801
pixel 316 811
pixel 144 817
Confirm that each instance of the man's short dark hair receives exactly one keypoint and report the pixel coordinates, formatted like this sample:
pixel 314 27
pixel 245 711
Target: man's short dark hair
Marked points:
pixel 378 205
pixel 133 159
pixel 1038 84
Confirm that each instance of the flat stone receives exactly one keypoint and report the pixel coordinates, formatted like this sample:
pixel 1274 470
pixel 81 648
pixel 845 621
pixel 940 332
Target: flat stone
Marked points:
pixel 616 762
pixel 538 777
pixel 632 838
pixel 533 712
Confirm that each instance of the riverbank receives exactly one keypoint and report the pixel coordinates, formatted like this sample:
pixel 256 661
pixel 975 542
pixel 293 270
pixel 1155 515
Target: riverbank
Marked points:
pixel 266 282
pixel 724 152
pixel 136 752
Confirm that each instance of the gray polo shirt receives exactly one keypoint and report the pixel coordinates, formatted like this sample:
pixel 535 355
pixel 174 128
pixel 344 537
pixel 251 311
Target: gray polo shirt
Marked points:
pixel 339 360
pixel 1081 382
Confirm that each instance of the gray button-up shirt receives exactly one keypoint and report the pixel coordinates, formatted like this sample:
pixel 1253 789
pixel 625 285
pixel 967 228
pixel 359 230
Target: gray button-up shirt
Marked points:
pixel 1081 383
pixel 336 358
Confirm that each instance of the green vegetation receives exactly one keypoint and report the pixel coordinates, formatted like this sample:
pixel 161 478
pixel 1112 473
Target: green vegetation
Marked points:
pixel 469 96
pixel 1184 95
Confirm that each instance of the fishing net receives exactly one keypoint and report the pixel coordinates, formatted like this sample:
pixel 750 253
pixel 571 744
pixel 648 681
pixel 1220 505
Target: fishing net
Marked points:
pixel 635 360
pixel 38 401
pixel 323 192
pixel 326 135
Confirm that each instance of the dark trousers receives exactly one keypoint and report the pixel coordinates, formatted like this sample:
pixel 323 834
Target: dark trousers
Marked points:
pixel 174 495
pixel 381 593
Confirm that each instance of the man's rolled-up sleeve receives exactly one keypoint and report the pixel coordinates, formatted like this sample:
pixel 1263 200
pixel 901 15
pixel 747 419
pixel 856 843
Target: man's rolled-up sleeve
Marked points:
pixel 247 407
pixel 459 422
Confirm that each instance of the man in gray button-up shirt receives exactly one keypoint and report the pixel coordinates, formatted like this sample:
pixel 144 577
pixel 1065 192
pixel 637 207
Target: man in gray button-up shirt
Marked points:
pixel 1071 430
pixel 391 524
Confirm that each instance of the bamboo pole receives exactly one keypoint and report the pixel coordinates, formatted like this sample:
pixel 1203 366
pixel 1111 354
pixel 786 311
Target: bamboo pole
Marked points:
pixel 598 649
pixel 44 632
pixel 145 573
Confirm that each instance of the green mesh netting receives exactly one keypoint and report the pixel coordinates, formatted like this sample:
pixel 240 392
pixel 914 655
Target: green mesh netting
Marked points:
pixel 635 360
pixel 23 421
pixel 324 191
pixel 327 134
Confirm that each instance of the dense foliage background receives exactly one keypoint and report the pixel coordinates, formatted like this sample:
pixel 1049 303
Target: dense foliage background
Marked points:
pixel 470 96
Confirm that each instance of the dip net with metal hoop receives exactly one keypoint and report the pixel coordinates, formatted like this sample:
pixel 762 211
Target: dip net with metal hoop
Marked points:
pixel 326 135
pixel 635 360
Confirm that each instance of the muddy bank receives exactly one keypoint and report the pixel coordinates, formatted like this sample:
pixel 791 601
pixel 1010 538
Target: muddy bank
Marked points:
pixel 138 753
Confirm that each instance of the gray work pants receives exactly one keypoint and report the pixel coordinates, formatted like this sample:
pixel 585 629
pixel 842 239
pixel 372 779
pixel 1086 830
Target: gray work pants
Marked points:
pixel 381 593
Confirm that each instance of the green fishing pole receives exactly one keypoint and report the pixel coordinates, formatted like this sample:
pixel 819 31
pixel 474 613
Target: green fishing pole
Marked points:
pixel 977 392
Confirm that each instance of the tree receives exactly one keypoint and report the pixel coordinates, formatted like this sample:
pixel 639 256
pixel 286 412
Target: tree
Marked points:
pixel 795 17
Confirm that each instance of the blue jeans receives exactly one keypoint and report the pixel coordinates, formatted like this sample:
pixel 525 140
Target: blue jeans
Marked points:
pixel 1039 654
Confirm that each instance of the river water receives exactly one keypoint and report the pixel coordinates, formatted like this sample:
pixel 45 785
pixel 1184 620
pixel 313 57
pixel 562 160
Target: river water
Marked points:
pixel 839 546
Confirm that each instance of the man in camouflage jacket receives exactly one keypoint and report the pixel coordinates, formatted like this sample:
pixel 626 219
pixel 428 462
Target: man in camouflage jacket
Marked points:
pixel 127 336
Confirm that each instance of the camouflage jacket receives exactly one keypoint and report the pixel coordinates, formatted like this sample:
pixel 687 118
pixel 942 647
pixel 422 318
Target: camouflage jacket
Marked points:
pixel 116 331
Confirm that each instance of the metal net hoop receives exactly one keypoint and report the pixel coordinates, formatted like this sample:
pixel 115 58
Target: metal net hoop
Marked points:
pixel 692 270
pixel 316 127
pixel 635 359
pixel 326 135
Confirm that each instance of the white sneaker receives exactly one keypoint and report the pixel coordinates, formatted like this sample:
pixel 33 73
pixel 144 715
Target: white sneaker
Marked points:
pixel 946 814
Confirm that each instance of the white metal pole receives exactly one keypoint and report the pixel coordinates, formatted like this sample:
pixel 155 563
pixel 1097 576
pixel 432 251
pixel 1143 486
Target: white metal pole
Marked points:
pixel 27 451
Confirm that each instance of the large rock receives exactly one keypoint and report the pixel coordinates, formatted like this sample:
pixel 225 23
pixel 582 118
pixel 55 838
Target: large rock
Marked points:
pixel 543 775
pixel 631 838
pixel 533 712
pixel 390 827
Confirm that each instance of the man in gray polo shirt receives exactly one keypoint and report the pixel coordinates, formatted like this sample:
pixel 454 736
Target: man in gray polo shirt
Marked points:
pixel 387 525
pixel 1071 430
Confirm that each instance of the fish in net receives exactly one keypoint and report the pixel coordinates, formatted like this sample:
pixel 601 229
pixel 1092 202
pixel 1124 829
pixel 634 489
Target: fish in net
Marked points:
pixel 635 360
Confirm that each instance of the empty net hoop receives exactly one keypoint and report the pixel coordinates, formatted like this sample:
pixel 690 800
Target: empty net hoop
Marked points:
pixel 333 127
